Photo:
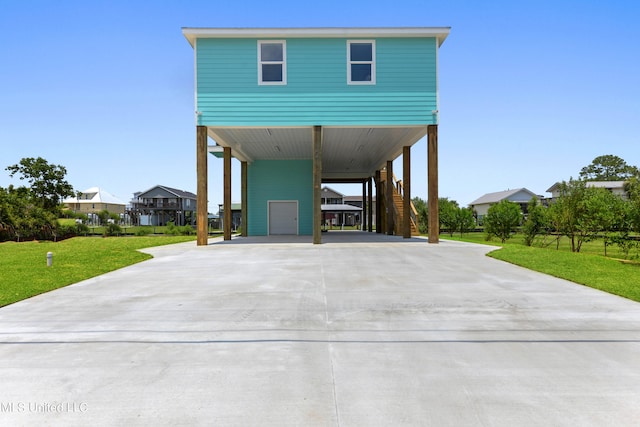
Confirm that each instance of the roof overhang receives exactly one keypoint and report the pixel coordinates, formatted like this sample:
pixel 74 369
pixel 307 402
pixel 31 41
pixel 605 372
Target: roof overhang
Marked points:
pixel 340 208
pixel 440 33
pixel 349 154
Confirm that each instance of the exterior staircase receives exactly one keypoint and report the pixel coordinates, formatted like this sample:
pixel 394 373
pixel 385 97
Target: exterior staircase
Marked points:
pixel 397 210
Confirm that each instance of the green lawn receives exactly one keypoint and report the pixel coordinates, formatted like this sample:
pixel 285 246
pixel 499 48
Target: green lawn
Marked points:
pixel 588 267
pixel 24 265
pixel 24 271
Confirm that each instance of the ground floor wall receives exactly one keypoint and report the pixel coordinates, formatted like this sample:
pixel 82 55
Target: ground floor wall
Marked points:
pixel 92 207
pixel 279 181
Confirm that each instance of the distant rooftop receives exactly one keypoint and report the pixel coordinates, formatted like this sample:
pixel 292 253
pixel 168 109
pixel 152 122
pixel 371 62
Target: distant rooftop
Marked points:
pixel 95 195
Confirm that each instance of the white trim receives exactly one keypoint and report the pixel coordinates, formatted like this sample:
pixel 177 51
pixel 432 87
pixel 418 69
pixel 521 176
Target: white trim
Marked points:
pixel 437 113
pixel 195 83
pixel 283 62
pixel 372 62
pixel 283 201
pixel 441 33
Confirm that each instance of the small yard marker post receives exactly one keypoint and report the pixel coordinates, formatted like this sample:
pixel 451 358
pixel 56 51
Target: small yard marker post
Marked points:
pixel 49 259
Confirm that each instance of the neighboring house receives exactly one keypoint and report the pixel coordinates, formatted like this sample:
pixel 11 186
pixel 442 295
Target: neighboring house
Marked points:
pixel 616 187
pixel 336 212
pixel 94 200
pixel 160 205
pixel 521 196
pixel 236 215
pixel 355 200
pixel 301 106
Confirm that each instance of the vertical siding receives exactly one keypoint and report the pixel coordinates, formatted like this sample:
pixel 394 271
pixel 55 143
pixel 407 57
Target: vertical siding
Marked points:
pixel 316 92
pixel 279 180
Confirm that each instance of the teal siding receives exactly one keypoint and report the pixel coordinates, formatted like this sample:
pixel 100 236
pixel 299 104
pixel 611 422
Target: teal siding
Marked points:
pixel 279 180
pixel 316 92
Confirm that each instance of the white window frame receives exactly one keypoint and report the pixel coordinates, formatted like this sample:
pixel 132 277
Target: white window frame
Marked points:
pixel 283 62
pixel 372 62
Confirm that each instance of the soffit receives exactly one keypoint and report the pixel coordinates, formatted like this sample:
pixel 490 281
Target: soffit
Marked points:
pixel 440 33
pixel 347 153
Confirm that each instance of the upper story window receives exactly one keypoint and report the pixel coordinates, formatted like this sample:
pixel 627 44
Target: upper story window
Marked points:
pixel 272 62
pixel 361 62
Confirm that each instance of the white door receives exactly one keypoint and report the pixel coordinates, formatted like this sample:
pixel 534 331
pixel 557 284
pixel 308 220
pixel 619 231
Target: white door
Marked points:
pixel 283 217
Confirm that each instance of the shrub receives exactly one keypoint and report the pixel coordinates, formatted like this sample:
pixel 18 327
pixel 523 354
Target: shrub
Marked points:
pixel 112 229
pixel 142 231
pixel 185 230
pixel 536 221
pixel 172 229
pixel 502 219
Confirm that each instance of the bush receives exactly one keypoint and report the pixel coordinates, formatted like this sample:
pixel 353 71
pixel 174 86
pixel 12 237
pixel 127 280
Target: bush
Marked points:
pixel 66 231
pixel 172 229
pixel 536 221
pixel 143 231
pixel 112 229
pixel 185 230
pixel 502 219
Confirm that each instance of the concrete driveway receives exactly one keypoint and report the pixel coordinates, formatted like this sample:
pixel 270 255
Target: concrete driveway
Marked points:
pixel 363 330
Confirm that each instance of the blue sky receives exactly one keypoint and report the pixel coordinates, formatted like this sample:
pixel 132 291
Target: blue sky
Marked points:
pixel 530 92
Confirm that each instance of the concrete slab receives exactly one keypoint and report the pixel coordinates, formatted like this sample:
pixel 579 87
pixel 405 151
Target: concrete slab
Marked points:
pixel 363 330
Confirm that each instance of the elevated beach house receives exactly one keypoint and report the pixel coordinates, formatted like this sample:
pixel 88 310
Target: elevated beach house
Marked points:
pixel 299 107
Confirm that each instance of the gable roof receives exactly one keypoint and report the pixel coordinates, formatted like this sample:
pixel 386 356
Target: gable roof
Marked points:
pixel 503 195
pixel 178 193
pixel 95 195
pixel 326 190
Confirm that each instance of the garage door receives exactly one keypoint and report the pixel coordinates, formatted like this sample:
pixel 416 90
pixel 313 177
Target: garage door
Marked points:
pixel 283 217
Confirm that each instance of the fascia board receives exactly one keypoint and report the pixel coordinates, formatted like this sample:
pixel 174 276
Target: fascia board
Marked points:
pixel 191 34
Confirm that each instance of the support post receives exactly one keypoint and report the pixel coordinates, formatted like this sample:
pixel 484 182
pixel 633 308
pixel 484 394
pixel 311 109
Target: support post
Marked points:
pixel 202 214
pixel 227 194
pixel 363 214
pixel 406 194
pixel 378 182
pixel 317 184
pixel 369 206
pixel 389 198
pixel 245 205
pixel 432 183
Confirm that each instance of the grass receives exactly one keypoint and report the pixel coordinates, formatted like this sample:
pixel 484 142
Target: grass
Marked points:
pixel 589 267
pixel 24 265
pixel 25 272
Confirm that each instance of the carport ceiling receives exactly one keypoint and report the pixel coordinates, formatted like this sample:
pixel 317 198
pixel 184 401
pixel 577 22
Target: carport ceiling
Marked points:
pixel 347 153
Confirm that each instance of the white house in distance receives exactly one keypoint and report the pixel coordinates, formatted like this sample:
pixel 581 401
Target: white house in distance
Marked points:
pixel 94 200
pixel 522 196
pixel 616 187
pixel 335 212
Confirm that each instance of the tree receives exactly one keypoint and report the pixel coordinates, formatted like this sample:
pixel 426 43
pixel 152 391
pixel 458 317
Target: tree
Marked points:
pixel 48 186
pixel 608 168
pixel 632 187
pixel 502 219
pixel 447 214
pixel 536 221
pixel 601 212
pixel 566 209
pixel 20 219
pixel 423 214
pixel 465 220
